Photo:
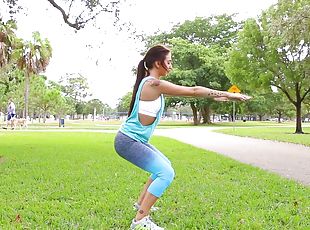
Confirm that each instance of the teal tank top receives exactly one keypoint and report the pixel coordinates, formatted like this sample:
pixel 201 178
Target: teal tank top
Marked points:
pixel 132 126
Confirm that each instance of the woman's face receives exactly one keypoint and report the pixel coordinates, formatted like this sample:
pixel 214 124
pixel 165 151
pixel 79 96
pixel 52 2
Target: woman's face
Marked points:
pixel 164 70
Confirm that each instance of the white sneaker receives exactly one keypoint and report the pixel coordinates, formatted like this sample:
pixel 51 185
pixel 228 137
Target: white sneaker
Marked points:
pixel 144 224
pixel 136 207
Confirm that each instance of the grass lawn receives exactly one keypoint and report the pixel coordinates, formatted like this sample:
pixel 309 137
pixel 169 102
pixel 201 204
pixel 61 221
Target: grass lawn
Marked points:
pixel 115 124
pixel 77 181
pixel 285 134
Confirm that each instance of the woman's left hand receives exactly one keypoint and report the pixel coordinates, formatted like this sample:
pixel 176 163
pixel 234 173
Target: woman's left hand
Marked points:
pixel 221 99
pixel 239 97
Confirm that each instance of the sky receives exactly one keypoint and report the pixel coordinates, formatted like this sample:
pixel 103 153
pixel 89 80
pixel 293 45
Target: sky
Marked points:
pixel 105 55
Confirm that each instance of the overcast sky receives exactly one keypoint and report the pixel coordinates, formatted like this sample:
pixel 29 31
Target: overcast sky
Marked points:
pixel 106 56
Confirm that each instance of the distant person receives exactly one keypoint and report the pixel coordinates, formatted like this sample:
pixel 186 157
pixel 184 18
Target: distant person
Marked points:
pixel 146 109
pixel 11 113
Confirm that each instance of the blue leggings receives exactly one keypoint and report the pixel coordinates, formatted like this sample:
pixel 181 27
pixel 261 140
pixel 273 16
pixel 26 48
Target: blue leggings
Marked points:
pixel 148 158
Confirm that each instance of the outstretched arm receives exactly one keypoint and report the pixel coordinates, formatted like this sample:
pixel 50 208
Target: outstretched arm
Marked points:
pixel 171 89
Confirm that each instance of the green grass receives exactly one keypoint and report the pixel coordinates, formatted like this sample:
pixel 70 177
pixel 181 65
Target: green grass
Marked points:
pixel 94 125
pixel 77 181
pixel 75 125
pixel 239 123
pixel 115 124
pixel 223 124
pixel 285 134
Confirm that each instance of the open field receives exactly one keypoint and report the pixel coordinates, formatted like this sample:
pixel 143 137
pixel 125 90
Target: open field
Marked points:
pixel 115 124
pixel 76 181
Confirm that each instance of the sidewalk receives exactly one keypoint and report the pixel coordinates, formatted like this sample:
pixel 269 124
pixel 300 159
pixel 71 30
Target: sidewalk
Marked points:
pixel 289 160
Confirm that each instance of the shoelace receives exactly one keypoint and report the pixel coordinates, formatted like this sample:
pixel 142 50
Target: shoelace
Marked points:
pixel 151 223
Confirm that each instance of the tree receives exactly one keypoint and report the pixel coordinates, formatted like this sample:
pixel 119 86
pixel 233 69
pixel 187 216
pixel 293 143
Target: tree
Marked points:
pixel 11 86
pixel 33 58
pixel 80 108
pixel 75 13
pixel 92 106
pixel 7 41
pixel 10 77
pixel 188 61
pixel 64 107
pixel 275 102
pixel 258 106
pixel 196 64
pixel 45 98
pixel 16 92
pixel 75 87
pixel 107 111
pixel 218 30
pixel 274 51
pixel 124 103
pixel 199 49
pixel 307 108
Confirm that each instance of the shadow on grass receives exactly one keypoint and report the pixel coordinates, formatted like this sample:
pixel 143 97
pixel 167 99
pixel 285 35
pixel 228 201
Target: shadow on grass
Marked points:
pixel 291 133
pixel 1 159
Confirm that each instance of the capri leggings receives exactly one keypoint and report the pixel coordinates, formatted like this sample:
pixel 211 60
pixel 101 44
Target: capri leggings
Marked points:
pixel 148 158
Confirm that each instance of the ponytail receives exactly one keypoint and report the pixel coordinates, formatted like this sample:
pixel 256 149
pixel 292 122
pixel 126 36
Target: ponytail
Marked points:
pixel 141 73
pixel 156 53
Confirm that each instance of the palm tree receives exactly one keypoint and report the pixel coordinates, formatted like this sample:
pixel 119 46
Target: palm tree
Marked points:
pixel 33 58
pixel 7 38
pixel 7 44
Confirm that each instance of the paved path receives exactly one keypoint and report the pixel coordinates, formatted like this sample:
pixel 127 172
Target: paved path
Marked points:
pixel 289 160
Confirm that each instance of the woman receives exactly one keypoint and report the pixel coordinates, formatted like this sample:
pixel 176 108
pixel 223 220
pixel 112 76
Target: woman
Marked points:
pixel 146 108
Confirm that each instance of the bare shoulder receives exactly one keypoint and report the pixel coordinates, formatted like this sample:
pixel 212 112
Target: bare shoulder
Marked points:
pixel 157 84
pixel 154 82
pixel 150 90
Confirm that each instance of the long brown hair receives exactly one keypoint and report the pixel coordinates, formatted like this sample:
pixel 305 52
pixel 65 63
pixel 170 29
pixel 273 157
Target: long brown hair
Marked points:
pixel 156 53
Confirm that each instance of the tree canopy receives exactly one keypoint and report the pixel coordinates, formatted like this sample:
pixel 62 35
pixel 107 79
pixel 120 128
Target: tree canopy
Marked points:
pixel 199 49
pixel 275 51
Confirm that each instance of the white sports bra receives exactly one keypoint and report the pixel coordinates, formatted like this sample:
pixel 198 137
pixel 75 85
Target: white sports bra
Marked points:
pixel 150 108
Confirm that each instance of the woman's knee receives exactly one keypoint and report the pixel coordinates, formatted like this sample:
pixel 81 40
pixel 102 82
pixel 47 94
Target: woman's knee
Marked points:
pixel 169 174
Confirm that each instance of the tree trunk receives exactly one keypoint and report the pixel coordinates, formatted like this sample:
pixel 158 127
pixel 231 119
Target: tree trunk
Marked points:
pixel 26 96
pixel 279 117
pixel 213 117
pixel 298 118
pixel 205 112
pixel 194 109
